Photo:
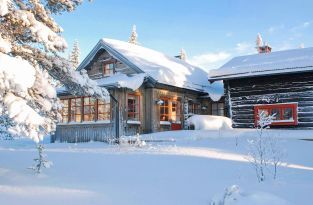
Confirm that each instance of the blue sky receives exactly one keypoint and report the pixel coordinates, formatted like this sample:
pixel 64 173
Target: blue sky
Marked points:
pixel 211 31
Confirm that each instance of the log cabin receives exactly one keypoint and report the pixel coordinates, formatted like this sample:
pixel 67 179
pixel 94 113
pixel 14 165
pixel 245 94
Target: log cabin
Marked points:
pixel 154 92
pixel 277 83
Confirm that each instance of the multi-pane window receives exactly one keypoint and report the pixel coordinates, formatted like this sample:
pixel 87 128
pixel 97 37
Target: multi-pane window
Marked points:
pixel 64 111
pixel 104 110
pixel 164 110
pixel 85 109
pixel 133 107
pixel 284 114
pixel 108 69
pixel 194 108
pixel 76 109
pixel 89 109
pixel 175 114
pixel 218 109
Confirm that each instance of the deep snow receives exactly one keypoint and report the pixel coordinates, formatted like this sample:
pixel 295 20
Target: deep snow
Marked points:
pixel 190 167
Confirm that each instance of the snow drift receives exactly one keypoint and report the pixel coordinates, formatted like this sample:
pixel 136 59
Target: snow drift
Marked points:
pixel 210 122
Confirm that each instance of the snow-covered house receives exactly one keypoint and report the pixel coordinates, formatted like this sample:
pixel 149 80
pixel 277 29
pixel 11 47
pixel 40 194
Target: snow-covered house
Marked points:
pixel 155 92
pixel 279 83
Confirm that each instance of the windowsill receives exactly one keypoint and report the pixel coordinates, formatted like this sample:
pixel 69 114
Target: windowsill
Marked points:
pixel 133 122
pixel 165 123
pixel 176 122
pixel 85 122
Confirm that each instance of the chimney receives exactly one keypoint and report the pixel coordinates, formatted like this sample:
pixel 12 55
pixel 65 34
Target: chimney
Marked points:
pixel 262 47
pixel 182 55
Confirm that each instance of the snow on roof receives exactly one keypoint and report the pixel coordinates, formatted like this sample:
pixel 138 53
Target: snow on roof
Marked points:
pixel 296 60
pixel 121 80
pixel 162 68
pixel 153 64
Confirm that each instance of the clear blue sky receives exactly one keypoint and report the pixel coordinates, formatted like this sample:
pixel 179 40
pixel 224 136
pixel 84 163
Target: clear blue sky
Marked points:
pixel 211 31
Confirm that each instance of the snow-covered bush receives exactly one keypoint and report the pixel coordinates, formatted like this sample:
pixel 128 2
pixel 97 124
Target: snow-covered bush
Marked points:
pixel 40 162
pixel 263 149
pixel 210 122
pixel 231 195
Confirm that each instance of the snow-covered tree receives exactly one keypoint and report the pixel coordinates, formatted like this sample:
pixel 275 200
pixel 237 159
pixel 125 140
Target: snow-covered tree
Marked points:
pixel 133 37
pixel 30 41
pixel 259 40
pixel 74 55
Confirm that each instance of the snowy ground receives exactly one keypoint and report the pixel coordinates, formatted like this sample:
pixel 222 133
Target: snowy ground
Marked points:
pixel 192 167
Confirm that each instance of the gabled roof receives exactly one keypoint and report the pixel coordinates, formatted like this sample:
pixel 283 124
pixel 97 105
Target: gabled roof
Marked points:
pixel 162 68
pixel 289 61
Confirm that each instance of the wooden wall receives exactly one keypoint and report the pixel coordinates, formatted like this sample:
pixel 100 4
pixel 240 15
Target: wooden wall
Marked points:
pixel 243 94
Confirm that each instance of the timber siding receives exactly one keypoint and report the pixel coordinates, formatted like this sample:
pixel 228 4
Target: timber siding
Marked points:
pixel 243 93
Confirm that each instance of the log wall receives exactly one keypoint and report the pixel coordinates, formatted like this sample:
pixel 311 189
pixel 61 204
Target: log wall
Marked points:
pixel 242 94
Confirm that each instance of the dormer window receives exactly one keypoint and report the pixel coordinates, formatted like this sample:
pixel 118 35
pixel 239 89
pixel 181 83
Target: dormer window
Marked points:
pixel 108 69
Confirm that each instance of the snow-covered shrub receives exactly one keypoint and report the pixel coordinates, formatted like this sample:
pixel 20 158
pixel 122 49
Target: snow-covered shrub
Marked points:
pixel 210 122
pixel 263 149
pixel 231 195
pixel 135 141
pixel 40 162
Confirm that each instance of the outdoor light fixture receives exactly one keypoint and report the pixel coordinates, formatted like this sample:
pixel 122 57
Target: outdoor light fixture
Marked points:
pixel 159 102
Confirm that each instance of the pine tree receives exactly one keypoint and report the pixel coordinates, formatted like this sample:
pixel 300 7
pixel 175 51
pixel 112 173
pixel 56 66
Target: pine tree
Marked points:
pixel 133 37
pixel 74 56
pixel 29 45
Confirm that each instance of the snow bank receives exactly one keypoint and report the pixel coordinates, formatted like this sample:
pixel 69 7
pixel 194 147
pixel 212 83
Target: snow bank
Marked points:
pixel 210 122
pixel 234 196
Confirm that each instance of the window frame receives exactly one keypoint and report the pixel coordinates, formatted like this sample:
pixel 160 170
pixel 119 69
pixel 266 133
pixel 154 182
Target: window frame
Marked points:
pixel 135 106
pixel 81 105
pixel 165 107
pixel 216 112
pixel 90 105
pixel 82 110
pixel 108 71
pixel 103 113
pixel 280 107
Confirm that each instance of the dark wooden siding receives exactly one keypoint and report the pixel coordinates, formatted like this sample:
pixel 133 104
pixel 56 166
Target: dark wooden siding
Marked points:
pixel 243 94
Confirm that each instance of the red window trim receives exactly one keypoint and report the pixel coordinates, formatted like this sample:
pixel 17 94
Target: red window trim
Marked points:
pixel 280 106
pixel 137 97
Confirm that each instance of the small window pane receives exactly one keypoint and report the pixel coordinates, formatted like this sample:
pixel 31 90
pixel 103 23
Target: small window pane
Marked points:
pixel 287 114
pixel 276 114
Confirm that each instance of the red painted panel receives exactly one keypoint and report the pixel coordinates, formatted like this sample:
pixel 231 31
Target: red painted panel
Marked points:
pixel 176 126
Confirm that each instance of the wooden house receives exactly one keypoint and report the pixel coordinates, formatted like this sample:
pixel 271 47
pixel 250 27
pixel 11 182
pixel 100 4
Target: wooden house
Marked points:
pixel 279 83
pixel 155 92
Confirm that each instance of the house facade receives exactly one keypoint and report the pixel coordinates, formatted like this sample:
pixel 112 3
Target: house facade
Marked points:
pixel 154 92
pixel 277 83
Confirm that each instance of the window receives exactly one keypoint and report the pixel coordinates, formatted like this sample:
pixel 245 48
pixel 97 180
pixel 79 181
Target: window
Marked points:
pixel 85 109
pixel 133 107
pixel 89 109
pixel 108 69
pixel 64 111
pixel 104 110
pixel 284 114
pixel 218 109
pixel 164 110
pixel 194 108
pixel 176 111
pixel 76 108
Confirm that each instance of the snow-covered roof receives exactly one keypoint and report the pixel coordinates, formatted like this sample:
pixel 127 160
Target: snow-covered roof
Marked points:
pixel 289 61
pixel 162 68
